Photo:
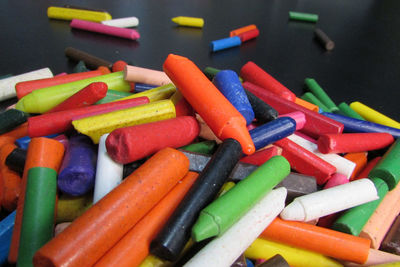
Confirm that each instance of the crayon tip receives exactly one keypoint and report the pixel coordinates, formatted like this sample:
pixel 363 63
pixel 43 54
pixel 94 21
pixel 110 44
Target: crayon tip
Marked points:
pixel 293 212
pixel 236 129
pixel 205 227
pixel 175 19
pixel 20 105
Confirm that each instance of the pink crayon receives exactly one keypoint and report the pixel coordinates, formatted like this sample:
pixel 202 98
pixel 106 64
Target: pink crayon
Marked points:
pixel 298 116
pixel 105 29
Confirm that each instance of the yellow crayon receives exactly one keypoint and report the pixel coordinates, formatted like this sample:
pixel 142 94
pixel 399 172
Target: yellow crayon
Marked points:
pixel 155 94
pixel 189 21
pixel 72 13
pixel 96 126
pixel 69 208
pixel 373 116
pixel 153 261
pixel 225 188
pixel 265 249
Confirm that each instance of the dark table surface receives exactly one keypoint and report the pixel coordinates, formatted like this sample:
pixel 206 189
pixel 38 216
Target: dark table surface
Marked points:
pixel 364 66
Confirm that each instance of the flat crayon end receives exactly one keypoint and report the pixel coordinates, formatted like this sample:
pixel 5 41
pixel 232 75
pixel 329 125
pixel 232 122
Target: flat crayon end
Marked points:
pixel 205 227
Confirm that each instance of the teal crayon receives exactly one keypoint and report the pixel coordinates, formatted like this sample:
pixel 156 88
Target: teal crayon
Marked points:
pixel 217 217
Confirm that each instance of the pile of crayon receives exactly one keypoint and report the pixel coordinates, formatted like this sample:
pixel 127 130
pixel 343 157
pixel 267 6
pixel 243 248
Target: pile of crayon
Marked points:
pixel 127 166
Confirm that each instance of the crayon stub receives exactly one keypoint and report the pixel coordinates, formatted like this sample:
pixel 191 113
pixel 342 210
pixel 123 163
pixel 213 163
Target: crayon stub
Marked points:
pixel 225 43
pixel 303 16
pixel 189 21
pixel 325 41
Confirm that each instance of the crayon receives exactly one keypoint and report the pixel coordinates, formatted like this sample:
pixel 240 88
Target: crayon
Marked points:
pixel 205 131
pixel 320 93
pixel 10 119
pixel 72 13
pixel 307 17
pixel 97 125
pixel 38 219
pixel 143 75
pixel 116 213
pixel 145 230
pixel 373 116
pixel 205 147
pixel 299 118
pixel 91 61
pixel 225 43
pixel 222 213
pixel 11 180
pixel 262 111
pixel 155 94
pixel 13 135
pixel 323 39
pixel 335 180
pixel 60 227
pixel 306 104
pixel 182 107
pixel 259 157
pixel 346 110
pixel 388 168
pixel 112 95
pixel 132 143
pixel 328 201
pixel 23 142
pixel 126 22
pixel 15 161
pixel 176 232
pixel 360 159
pixel 370 165
pixel 249 35
pixel 223 119
pixel 188 21
pixel 241 30
pixel 84 8
pixel 140 87
pixel 240 262
pixel 275 261
pixel 391 242
pixel 310 97
pixel 69 207
pixel 6 228
pixel 80 67
pixel 252 73
pixel 104 29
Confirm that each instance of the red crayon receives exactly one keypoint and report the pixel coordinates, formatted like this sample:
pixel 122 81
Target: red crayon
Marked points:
pixel 83 98
pixel 353 142
pixel 129 144
pixel 370 165
pixel 248 35
pixel 260 157
pixel 252 73
pixel 58 122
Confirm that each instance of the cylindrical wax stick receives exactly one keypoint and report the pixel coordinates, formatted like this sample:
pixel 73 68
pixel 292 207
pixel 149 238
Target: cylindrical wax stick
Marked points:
pixel 140 87
pixel 317 90
pixel 353 142
pixel 373 116
pixel 370 165
pixel 118 65
pixel 272 131
pixel 225 43
pixel 182 107
pixel 222 213
pixel 176 232
pixel 360 159
pixel 303 16
pixel 241 30
pixel 205 147
pixel 101 226
pixel 224 120
pixel 11 180
pixel 346 110
pixel 122 22
pixel 72 13
pixel 229 85
pixel 189 21
pixel 44 99
pixel 391 242
pixel 96 126
pixel 265 249
pixel 318 239
pixel 143 75
pixel 306 104
pixel 80 67
pixel 38 219
pixel 13 135
pixel 16 160
pixel 145 230
pixel 252 73
pixel 69 208
pixel 6 228
pixel 335 180
pixel 275 261
pixel 352 125
pixel 155 94
pixel 246 36
pixel 11 118
pixel 91 61
pixel 132 143
pixel 325 41
pixel 112 95
pixel 210 72
pixel 83 98
pixel 77 172
pixel 42 152
pixel 262 111
pixel 24 88
pixel 104 29
pixel 224 250
pixel 310 97
pixel 388 168
pixel 108 172
pixel 354 219
pixel 259 157
pixel 298 116
pixel 328 201
pixel 316 124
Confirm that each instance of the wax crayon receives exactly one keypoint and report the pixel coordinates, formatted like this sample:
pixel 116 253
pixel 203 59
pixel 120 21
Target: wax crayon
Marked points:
pixel 388 168
pixel 115 213
pixel 306 104
pixel 272 131
pixel 11 180
pixel 299 118
pixel 391 242
pixel 205 147
pixel 346 110
pixel 38 219
pixel 16 160
pixel 241 30
pixel 91 61
pixel 320 93
pixel 250 72
pixel 259 157
pixel 370 165
pixel 23 142
pixel 126 22
pixel 60 227
pixel 262 111
pixel 176 232
pixel 335 180
pixel 328 201
pixel 189 21
pixel 69 207
pixel 353 220
pixel 210 72
pixel 141 87
pixel 224 120
pixel 373 116
pixel 310 97
pixel 83 98
pixel 143 75
pixel 112 95
pixel 80 67
pixel 225 43
pixel 308 17
pixel 249 35
pixel 323 39
pixel 155 94
pixel 275 261
pixel 13 135
pixel 360 159
pixel 42 152
pixel 11 118
pixel 8 84
pixel 96 126
pixel 104 29
pixel 352 125
pixel 225 188
pixel 84 8
pixel 72 13
pixel 229 85
pixel 316 124
pixel 249 263
pixel 6 228
pixel 145 230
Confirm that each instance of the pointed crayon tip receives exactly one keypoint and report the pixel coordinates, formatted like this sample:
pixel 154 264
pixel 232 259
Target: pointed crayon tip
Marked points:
pixel 20 105
pixel 236 129
pixel 205 227
pixel 175 19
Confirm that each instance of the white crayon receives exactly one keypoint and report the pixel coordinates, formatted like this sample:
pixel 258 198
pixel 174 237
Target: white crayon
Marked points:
pixel 122 22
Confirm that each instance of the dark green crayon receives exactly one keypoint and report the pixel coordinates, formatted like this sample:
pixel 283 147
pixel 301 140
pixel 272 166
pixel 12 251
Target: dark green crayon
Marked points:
pixel 206 147
pixel 303 16
pixel 310 97
pixel 346 110
pixel 11 118
pixel 112 95
pixel 210 72
pixel 80 67
pixel 317 90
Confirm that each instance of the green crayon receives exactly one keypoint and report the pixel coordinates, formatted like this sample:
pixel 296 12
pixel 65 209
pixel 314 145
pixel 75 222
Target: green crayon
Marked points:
pixel 303 16
pixel 388 168
pixel 348 111
pixel 317 90
pixel 112 95
pixel 222 213
pixel 206 147
pixel 44 99
pixel 314 100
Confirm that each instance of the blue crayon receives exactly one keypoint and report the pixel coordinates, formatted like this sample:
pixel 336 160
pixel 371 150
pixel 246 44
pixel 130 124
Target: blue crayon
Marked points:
pixel 352 125
pixel 6 229
pixel 225 43
pixel 141 87
pixel 23 142
pixel 249 263
pixel 272 131
pixel 78 169
pixel 227 81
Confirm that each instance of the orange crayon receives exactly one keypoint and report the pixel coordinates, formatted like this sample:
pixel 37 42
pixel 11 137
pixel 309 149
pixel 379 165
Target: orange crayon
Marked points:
pixel 241 30
pixel 11 180
pixel 306 104
pixel 360 159
pixel 220 115
pixel 97 230
pixel 14 134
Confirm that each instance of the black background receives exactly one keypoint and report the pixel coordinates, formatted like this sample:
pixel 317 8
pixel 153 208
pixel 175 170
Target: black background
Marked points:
pixel 364 66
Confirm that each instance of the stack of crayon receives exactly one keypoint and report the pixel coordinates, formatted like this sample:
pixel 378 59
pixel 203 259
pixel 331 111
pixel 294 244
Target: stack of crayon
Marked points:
pixel 193 172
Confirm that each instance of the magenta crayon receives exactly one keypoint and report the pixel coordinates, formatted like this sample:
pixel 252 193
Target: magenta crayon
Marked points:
pixel 336 179
pixel 259 157
pixel 252 73
pixel 104 29
pixel 129 144
pixel 298 116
